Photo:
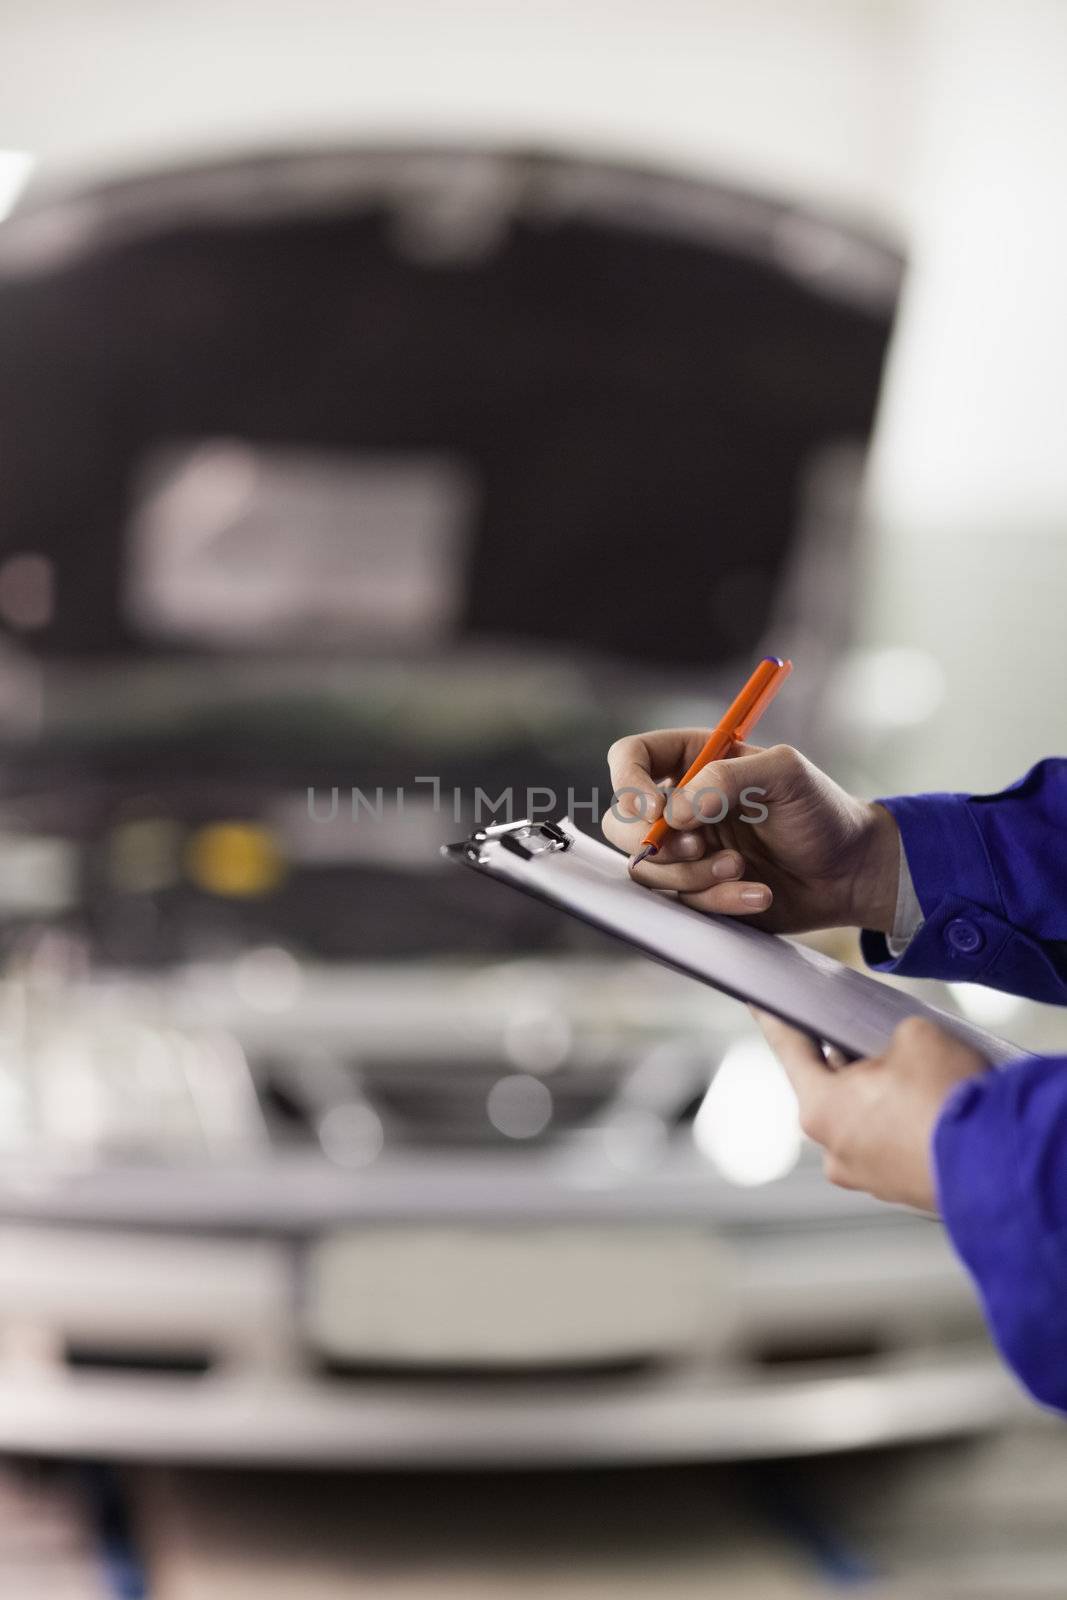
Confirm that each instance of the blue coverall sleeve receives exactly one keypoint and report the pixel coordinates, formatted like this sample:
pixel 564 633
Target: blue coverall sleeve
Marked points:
pixel 990 873
pixel 1000 1154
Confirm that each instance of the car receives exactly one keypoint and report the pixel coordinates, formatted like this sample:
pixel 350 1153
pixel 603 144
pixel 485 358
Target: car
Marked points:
pixel 347 498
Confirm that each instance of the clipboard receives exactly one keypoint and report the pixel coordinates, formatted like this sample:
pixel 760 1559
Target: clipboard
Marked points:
pixel 589 880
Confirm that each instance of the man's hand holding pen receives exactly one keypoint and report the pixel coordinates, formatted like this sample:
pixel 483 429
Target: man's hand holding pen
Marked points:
pixel 820 858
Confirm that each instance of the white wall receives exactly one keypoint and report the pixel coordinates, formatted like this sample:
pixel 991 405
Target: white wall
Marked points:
pixel 969 487
pixel 800 95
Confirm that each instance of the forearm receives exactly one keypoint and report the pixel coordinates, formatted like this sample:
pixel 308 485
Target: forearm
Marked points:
pixel 1000 1160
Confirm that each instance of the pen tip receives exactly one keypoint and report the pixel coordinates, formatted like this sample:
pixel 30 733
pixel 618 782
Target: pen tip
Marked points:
pixel 643 855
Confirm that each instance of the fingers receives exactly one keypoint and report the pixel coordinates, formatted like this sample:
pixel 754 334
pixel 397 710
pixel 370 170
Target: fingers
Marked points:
pixel 682 866
pixel 686 864
pixel 739 786
pixel 839 1173
pixel 918 1040
pixel 626 833
pixel 806 1069
pixel 931 1059
pixel 688 847
pixel 796 1050
pixel 920 1036
pixel 640 761
pixel 733 899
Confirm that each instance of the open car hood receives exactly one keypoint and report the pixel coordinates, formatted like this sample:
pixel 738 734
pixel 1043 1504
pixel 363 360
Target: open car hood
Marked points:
pixel 408 399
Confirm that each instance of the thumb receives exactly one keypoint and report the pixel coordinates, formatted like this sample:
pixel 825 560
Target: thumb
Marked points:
pixel 723 786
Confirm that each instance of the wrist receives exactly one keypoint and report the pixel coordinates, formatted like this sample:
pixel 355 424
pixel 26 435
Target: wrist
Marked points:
pixel 876 880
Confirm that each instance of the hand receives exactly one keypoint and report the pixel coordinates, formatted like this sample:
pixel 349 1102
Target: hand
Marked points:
pixel 792 849
pixel 875 1119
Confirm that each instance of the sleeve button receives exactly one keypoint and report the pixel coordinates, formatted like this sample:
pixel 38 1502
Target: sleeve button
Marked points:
pixel 964 936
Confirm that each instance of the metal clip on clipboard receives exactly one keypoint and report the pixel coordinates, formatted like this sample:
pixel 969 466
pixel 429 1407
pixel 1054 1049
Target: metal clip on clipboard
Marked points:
pixel 525 839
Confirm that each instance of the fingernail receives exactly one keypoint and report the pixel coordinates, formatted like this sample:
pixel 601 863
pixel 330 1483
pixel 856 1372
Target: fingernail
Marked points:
pixel 725 867
pixel 689 845
pixel 758 896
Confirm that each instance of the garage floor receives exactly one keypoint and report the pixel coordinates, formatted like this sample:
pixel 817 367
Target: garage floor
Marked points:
pixel 983 1521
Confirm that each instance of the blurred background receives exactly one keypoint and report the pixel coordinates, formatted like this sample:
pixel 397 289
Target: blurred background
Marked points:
pixel 397 404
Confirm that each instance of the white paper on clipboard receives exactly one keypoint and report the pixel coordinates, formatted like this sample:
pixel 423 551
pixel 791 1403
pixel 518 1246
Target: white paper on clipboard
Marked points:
pixel 829 1001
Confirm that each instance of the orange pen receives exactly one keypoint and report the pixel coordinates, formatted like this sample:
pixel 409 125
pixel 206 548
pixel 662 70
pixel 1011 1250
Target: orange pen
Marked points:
pixel 734 728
